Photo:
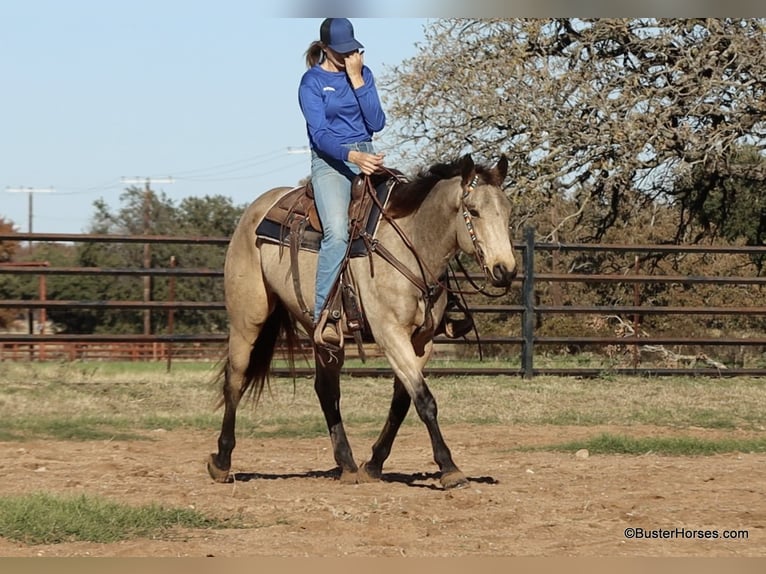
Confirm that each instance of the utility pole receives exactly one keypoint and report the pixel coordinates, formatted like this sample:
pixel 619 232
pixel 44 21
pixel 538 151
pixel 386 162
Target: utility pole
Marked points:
pixel 147 181
pixel 30 191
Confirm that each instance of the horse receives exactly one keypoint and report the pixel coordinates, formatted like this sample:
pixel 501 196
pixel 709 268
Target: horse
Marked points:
pixel 452 207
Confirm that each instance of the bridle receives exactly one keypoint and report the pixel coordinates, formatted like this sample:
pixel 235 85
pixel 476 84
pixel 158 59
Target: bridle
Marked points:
pixel 468 219
pixel 430 287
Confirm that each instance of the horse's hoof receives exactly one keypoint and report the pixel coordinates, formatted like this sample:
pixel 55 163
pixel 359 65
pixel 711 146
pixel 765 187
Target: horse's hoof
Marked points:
pixel 217 474
pixel 349 477
pixel 367 473
pixel 454 479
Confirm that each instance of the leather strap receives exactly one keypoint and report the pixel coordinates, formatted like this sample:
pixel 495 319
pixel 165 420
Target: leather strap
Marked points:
pixel 297 227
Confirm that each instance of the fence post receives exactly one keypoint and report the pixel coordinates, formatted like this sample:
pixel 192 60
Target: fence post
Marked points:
pixel 528 302
pixel 171 311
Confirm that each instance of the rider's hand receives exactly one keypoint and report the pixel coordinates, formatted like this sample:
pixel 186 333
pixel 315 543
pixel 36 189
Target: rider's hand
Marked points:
pixel 369 163
pixel 354 63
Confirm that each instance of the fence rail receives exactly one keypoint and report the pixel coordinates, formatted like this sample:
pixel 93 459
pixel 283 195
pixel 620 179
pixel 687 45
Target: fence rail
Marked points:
pixel 524 342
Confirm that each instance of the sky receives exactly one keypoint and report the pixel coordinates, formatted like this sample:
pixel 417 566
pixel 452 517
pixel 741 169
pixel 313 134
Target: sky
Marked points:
pixel 95 96
pixel 203 91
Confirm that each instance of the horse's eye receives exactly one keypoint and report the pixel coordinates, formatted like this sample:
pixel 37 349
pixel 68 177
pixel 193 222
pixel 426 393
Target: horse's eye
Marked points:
pixel 473 212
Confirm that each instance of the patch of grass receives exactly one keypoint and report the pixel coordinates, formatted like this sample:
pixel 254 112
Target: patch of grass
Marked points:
pixel 709 418
pixel 97 401
pixel 64 428
pixel 41 518
pixel 607 443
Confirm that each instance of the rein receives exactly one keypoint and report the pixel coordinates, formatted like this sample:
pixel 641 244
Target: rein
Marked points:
pixel 422 282
pixel 374 245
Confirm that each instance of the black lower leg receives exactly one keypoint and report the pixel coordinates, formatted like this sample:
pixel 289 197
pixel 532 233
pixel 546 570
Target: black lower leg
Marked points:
pixel 327 387
pixel 400 404
pixel 226 442
pixel 427 411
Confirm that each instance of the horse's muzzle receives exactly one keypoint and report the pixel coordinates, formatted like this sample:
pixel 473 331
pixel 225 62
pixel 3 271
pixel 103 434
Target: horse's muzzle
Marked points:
pixel 502 276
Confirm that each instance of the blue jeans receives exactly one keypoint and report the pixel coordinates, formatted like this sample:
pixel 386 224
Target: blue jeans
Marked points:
pixel 332 192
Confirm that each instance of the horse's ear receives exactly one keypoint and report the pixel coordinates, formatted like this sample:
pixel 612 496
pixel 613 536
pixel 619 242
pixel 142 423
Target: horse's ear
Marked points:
pixel 502 167
pixel 467 168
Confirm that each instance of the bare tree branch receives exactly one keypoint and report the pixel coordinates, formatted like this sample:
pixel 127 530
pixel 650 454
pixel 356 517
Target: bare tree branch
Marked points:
pixel 587 109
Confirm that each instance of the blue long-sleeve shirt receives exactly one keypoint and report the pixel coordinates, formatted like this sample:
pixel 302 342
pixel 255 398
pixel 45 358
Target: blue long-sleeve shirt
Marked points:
pixel 337 114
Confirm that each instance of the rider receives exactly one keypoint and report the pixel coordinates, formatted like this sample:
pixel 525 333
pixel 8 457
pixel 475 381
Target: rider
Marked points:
pixel 340 104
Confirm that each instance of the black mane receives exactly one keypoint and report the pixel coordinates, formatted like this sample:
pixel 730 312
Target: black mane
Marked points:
pixel 406 198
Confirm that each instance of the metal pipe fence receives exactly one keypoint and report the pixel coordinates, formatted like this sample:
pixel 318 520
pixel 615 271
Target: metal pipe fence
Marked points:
pixel 518 341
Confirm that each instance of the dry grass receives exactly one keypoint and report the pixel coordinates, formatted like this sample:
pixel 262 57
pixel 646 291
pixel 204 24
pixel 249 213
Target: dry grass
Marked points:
pixel 74 401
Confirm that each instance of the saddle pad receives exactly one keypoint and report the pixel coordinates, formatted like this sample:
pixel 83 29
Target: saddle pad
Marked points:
pixel 311 239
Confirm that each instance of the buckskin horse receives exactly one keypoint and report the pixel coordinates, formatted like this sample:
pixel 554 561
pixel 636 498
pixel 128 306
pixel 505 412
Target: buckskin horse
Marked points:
pixel 448 208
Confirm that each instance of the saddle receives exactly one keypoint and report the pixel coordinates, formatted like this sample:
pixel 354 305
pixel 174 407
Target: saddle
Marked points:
pixel 293 222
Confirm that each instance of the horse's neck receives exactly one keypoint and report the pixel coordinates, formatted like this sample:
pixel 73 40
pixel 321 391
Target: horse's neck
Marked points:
pixel 431 228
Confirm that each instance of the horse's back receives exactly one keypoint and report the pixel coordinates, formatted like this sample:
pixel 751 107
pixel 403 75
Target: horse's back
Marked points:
pixel 242 264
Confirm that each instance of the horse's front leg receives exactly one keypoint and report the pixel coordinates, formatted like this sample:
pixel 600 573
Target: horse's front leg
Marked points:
pixel 400 404
pixel 327 387
pixel 408 369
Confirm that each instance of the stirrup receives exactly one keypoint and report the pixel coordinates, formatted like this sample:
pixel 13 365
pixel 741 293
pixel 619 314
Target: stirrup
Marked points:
pixel 456 321
pixel 328 333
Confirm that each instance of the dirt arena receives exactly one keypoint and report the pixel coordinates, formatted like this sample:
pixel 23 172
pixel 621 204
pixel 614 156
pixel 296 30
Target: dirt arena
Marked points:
pixel 518 503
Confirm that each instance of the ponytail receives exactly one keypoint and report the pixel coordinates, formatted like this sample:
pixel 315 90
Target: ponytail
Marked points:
pixel 314 54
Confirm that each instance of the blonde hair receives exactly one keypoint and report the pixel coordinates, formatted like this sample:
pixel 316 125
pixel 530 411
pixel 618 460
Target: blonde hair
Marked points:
pixel 315 54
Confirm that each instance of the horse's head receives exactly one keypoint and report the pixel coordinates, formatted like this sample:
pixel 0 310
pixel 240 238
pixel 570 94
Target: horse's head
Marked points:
pixel 484 213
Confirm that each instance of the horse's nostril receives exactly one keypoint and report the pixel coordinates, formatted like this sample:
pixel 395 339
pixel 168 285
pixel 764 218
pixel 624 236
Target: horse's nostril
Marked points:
pixel 501 275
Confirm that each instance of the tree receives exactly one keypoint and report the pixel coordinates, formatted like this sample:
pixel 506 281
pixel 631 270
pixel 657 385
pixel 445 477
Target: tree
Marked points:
pixel 7 251
pixel 7 248
pixel 208 216
pixel 588 109
pixel 732 209
pixel 213 216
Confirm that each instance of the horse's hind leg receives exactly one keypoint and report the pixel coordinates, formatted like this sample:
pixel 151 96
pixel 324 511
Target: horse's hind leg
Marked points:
pixel 400 404
pixel 327 387
pixel 219 464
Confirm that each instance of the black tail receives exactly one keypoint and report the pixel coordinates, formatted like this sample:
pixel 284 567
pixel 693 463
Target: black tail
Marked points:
pixel 280 325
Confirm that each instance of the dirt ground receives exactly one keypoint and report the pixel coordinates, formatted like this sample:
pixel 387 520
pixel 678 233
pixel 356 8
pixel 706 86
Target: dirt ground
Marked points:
pixel 518 503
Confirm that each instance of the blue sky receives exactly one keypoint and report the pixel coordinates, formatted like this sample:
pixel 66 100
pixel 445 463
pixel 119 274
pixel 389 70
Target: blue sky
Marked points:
pixel 204 92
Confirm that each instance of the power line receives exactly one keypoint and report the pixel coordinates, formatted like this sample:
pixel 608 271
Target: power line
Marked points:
pixel 230 166
pixel 106 186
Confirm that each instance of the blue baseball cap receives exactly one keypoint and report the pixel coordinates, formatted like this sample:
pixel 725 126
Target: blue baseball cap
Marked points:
pixel 338 35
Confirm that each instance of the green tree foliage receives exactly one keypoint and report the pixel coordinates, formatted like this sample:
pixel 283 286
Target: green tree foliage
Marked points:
pixel 35 286
pixel 152 214
pixel 198 217
pixel 7 248
pixel 7 251
pixel 731 209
